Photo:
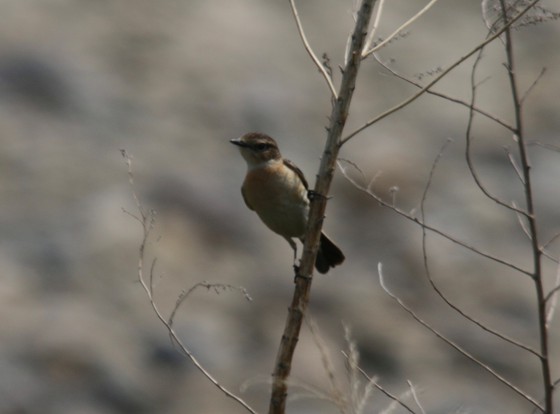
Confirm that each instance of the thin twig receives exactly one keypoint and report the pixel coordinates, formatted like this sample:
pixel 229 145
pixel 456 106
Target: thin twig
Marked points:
pixel 147 221
pixel 452 344
pixel 415 396
pixel 529 201
pixel 438 78
pixel 375 26
pixel 427 7
pixel 310 51
pixel 381 388
pixel 522 223
pixel 433 283
pixel 443 96
pixel 468 139
pixel 551 240
pixel 390 409
pixel 552 292
pixel 217 287
pixel 532 86
pixel 544 145
pixel 552 298
pixel 433 229
pixel 513 163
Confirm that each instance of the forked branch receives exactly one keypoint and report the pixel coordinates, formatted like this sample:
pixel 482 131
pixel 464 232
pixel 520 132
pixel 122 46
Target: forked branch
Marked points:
pixel 439 77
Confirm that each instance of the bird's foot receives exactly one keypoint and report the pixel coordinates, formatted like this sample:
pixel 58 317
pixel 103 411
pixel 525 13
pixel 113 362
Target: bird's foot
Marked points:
pixel 297 275
pixel 313 195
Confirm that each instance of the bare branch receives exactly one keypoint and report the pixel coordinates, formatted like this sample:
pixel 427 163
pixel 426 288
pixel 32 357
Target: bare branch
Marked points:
pixel 552 298
pixel 433 229
pixel 452 344
pixel 443 96
pixel 152 272
pixel 532 86
pixel 439 77
pixel 513 163
pixel 303 279
pixel 375 26
pixel 147 225
pixel 468 138
pixel 310 51
pixel 432 282
pixel 368 52
pixel 552 240
pixel 216 287
pixel 529 201
pixel 544 145
pixel 522 224
pixel 415 397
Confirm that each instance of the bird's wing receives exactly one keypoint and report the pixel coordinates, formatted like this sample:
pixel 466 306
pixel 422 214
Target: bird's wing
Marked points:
pixel 299 173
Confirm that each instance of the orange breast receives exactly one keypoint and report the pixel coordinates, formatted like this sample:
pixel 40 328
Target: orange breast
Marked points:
pixel 279 197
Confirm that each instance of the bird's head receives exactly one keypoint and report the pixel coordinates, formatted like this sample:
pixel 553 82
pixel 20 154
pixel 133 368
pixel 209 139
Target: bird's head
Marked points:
pixel 257 149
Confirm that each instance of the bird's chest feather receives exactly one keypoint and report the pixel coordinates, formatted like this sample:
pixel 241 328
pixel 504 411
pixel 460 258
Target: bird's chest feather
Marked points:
pixel 279 198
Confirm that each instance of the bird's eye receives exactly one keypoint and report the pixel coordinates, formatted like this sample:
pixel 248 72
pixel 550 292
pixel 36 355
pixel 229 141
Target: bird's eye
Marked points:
pixel 261 147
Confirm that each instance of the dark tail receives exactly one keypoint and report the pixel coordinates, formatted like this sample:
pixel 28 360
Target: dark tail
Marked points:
pixel 329 255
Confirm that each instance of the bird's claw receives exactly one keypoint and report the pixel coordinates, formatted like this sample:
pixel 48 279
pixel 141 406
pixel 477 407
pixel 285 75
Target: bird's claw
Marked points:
pixel 298 275
pixel 313 195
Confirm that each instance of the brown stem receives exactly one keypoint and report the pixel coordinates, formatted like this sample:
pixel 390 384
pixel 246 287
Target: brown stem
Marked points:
pixel 302 290
pixel 531 217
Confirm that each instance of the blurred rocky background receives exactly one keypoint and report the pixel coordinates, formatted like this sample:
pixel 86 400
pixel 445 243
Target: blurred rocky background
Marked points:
pixel 171 82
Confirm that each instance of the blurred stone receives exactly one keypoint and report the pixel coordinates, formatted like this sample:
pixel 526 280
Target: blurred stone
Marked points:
pixel 171 82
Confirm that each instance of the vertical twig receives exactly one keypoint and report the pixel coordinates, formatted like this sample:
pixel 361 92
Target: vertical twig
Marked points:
pixel 375 26
pixel 531 218
pixel 551 298
pixel 302 291
pixel 468 138
pixel 433 283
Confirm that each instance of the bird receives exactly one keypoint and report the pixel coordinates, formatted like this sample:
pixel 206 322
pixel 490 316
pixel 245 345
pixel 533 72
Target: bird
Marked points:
pixel 276 189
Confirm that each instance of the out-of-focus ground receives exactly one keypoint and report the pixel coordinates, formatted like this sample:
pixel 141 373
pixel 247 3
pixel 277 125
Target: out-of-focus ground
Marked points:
pixel 171 82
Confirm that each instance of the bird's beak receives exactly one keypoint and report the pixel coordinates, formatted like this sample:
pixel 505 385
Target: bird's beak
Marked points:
pixel 238 142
